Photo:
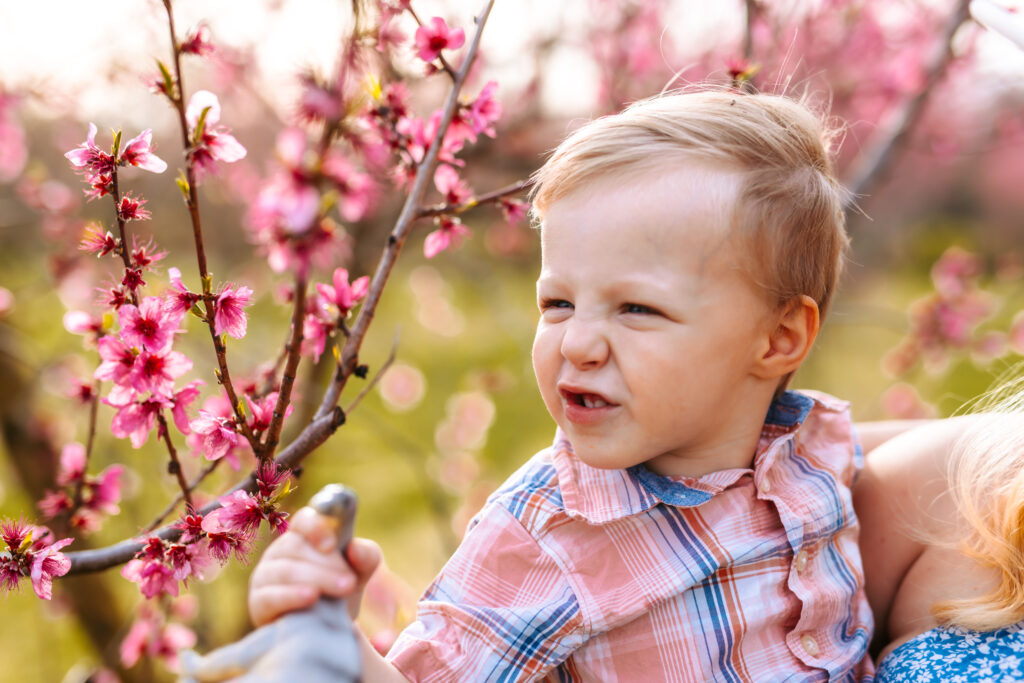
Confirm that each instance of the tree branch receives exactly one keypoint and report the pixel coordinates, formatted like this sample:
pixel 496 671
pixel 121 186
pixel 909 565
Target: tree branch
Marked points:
pixel 424 173
pixel 329 417
pixel 872 164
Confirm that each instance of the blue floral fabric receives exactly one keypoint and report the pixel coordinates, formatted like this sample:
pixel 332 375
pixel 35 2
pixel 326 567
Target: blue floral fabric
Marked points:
pixel 955 655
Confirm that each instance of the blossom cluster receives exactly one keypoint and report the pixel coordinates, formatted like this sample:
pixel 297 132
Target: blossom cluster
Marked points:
pixel 98 167
pixel 162 565
pixel 949 319
pixel 85 498
pixel 31 552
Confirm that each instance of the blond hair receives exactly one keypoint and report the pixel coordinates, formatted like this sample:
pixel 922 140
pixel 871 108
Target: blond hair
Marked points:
pixel 790 205
pixel 987 484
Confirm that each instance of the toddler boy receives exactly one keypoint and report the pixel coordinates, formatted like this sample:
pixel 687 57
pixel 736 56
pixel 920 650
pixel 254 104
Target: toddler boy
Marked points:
pixel 692 520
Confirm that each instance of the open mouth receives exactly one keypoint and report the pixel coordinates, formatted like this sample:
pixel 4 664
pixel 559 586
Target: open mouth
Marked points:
pixel 585 400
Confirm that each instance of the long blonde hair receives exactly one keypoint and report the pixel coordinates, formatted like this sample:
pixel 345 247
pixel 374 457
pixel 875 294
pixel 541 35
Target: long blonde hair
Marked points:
pixel 987 484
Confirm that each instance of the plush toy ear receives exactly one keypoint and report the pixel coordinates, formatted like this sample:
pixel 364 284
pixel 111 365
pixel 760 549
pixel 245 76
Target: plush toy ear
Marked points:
pixel 791 339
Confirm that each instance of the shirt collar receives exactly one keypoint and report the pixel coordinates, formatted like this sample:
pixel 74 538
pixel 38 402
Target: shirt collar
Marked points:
pixel 599 496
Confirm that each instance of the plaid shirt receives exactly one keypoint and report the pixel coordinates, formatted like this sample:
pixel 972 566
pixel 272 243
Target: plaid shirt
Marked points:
pixel 572 573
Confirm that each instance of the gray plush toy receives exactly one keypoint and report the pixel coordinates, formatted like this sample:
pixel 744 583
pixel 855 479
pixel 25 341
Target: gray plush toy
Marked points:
pixel 317 645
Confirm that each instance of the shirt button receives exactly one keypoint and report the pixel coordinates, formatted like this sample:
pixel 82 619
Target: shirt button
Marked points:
pixel 810 644
pixel 801 561
pixel 765 486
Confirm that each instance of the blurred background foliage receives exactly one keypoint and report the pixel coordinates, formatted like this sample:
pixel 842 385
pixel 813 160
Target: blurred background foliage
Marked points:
pixel 458 411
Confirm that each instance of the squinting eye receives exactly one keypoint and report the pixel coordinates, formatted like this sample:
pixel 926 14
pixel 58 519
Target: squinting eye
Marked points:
pixel 554 303
pixel 639 308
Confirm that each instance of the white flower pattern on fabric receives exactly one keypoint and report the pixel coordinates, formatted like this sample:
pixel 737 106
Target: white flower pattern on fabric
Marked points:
pixel 958 656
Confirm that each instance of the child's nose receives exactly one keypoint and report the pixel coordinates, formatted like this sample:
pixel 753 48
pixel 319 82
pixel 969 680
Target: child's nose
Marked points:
pixel 584 344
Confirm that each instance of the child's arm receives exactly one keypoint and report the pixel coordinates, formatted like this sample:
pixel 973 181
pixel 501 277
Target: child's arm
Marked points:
pixel 303 564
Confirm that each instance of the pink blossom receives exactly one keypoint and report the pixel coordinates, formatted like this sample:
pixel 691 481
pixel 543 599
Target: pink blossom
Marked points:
pixel 239 513
pixel 130 209
pixel 156 372
pixel 139 152
pixel 222 544
pixel 187 560
pixel 191 527
pixel 134 420
pixel 133 279
pixel 314 335
pixel 145 255
pixel 229 316
pixel 14 533
pixel 148 325
pixel 13 150
pixel 263 411
pixel 288 203
pixel 955 272
pixel 454 188
pixel 198 42
pixel 485 110
pixel 118 359
pixel 420 135
pixel 89 158
pixel 179 300
pixel 10 572
pixel 106 491
pixel 72 463
pixel 180 401
pixel 153 576
pixel 81 391
pixel 213 143
pixel 354 188
pixel 319 102
pixel 513 210
pixel 449 233
pixel 269 476
pixel 389 35
pixel 96 241
pixel 54 503
pixel 47 563
pixel 435 36
pixel 218 434
pixel 80 322
pixel 342 294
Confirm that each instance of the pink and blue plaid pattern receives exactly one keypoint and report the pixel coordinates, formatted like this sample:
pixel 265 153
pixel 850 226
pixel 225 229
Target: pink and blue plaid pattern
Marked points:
pixel 572 573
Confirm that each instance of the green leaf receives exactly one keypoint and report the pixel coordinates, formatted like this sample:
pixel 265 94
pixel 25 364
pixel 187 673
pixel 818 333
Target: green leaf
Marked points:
pixel 182 183
pixel 197 134
pixel 168 79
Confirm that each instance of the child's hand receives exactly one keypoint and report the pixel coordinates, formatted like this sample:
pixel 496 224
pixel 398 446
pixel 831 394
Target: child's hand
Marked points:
pixel 303 564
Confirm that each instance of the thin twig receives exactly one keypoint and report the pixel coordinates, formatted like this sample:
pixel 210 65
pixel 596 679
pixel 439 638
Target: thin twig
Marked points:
pixel 174 467
pixel 424 173
pixel 873 163
pixel 177 499
pixel 488 198
pixel 192 203
pixel 288 375
pixel 376 378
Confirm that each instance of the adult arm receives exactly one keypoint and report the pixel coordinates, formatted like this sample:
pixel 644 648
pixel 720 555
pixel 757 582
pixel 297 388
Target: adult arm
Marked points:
pixel 874 433
pixel 901 498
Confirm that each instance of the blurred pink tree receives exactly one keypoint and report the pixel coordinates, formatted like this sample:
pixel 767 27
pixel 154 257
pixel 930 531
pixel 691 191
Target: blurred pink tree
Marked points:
pixel 354 164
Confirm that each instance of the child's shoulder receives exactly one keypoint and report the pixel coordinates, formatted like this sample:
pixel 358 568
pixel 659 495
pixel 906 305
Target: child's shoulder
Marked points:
pixel 826 435
pixel 532 493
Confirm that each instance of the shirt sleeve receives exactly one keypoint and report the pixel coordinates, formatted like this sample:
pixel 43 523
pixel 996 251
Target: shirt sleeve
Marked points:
pixel 500 610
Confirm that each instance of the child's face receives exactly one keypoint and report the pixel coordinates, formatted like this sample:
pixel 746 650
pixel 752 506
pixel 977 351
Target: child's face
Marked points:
pixel 649 328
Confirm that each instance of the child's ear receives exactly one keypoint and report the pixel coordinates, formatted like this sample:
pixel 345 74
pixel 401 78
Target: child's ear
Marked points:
pixel 786 346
